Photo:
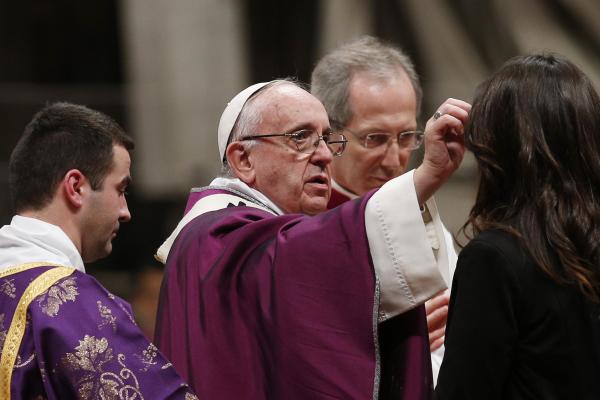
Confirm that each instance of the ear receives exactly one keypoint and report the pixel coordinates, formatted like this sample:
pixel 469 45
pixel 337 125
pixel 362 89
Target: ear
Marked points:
pixel 241 163
pixel 75 187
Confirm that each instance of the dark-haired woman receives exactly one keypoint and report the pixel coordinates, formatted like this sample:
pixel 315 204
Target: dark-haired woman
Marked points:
pixel 524 319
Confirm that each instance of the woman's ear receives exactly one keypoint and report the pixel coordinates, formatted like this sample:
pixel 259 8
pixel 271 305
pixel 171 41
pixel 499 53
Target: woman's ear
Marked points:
pixel 74 187
pixel 240 163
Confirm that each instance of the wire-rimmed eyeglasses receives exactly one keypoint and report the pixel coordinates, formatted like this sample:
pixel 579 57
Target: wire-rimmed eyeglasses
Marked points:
pixel 307 140
pixel 409 140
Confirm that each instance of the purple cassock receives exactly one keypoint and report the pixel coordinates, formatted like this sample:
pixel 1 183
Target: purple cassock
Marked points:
pixel 260 306
pixel 63 336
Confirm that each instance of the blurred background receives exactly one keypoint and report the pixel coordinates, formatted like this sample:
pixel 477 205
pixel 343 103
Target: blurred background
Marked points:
pixel 165 70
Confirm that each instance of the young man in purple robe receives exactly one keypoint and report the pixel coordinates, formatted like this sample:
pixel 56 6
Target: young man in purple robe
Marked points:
pixel 62 335
pixel 372 94
pixel 268 297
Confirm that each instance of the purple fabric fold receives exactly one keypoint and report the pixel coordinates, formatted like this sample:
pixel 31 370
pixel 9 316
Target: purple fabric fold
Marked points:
pixel 257 306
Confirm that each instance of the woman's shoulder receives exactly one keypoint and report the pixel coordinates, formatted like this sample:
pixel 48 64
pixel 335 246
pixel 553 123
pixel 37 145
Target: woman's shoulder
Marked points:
pixel 497 250
pixel 497 240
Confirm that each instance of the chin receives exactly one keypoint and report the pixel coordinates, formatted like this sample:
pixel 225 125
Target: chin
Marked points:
pixel 315 208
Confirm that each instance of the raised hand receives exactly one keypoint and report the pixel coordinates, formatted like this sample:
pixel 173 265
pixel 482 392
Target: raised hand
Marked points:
pixel 444 147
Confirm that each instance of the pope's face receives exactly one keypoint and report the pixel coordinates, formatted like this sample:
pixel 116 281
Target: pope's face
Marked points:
pixel 294 181
pixel 387 106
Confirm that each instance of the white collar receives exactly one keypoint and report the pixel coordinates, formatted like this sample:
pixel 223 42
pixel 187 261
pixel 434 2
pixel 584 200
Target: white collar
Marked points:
pixel 236 184
pixel 28 240
pixel 217 202
pixel 345 192
pixel 237 191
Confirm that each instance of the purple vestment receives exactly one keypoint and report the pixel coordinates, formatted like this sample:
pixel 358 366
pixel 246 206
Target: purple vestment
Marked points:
pixel 403 347
pixel 258 306
pixel 71 339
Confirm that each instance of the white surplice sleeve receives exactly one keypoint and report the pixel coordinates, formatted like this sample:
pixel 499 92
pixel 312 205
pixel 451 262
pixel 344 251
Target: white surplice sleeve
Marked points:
pixel 409 267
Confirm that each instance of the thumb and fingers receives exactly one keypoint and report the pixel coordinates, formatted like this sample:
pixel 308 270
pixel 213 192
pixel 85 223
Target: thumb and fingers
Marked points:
pixel 444 136
pixel 437 315
pixel 444 147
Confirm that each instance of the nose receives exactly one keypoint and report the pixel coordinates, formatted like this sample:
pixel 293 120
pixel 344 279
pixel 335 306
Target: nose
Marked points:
pixel 322 155
pixel 395 157
pixel 124 214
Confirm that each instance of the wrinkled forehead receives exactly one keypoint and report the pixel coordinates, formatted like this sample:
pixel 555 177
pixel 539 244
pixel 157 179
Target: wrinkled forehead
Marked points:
pixel 287 106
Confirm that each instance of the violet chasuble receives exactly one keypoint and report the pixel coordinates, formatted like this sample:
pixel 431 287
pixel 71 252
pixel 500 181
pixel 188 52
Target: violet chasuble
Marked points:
pixel 63 336
pixel 262 306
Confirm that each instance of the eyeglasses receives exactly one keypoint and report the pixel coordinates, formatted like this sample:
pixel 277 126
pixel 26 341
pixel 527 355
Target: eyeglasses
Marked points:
pixel 307 140
pixel 409 140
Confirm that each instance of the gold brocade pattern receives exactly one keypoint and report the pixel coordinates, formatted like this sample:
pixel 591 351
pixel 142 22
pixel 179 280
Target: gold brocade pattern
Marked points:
pixel 107 317
pixel 8 288
pixel 19 363
pixel 2 332
pixel 15 333
pixel 189 396
pixel 51 300
pixel 148 357
pixel 90 360
pixel 122 307
pixel 126 311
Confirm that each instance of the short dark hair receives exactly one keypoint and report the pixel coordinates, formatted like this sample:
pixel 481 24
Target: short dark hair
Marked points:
pixel 61 137
pixel 535 131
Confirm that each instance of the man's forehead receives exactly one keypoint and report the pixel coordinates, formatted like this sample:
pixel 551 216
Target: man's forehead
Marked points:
pixel 395 77
pixel 391 97
pixel 121 162
pixel 287 104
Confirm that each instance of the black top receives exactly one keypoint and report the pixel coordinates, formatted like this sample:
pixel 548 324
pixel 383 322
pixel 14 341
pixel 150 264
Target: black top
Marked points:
pixel 513 332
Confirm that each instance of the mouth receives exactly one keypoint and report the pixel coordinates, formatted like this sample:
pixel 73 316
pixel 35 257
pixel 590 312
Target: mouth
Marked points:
pixel 321 181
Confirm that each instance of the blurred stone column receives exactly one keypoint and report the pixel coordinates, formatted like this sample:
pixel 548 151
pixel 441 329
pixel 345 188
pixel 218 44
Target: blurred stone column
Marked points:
pixel 342 21
pixel 568 27
pixel 184 61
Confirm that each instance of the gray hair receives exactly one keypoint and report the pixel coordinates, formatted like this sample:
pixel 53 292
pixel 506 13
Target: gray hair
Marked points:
pixel 330 80
pixel 250 118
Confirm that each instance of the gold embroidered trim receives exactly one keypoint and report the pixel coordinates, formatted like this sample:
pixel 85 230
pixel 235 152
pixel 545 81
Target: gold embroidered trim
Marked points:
pixel 17 326
pixel 24 267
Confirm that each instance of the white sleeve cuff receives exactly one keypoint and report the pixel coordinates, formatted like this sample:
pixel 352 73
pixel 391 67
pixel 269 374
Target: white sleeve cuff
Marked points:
pixel 404 261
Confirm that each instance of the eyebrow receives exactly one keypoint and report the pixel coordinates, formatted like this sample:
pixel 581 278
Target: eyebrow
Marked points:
pixel 378 129
pixel 126 181
pixel 310 127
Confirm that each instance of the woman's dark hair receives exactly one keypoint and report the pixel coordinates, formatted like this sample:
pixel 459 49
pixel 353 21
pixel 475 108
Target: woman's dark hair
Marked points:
pixel 535 131
pixel 60 137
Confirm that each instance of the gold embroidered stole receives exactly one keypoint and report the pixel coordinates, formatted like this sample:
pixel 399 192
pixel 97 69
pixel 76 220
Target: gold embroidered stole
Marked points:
pixel 16 331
